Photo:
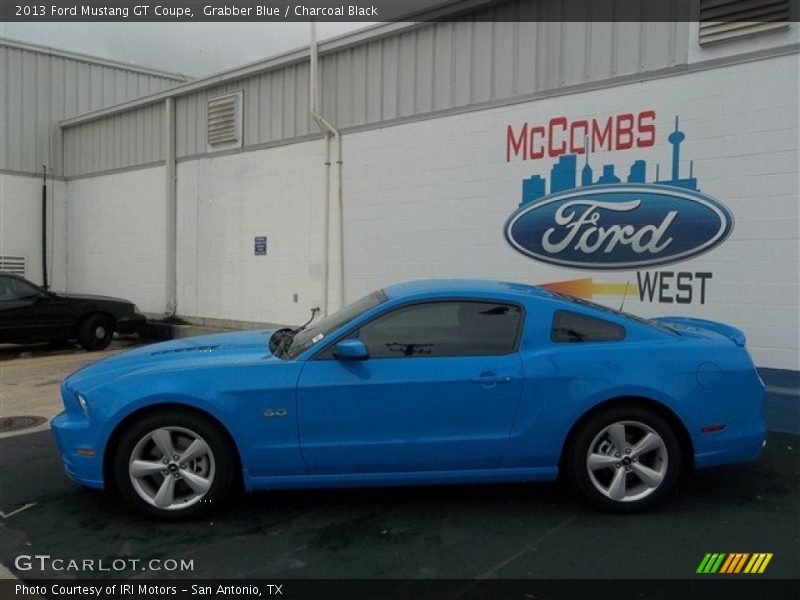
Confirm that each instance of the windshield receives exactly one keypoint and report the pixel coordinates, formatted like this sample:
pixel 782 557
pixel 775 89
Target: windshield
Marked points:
pixel 315 333
pixel 613 311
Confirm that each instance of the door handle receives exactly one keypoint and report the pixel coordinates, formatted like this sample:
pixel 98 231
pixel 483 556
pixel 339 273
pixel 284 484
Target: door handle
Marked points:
pixel 489 378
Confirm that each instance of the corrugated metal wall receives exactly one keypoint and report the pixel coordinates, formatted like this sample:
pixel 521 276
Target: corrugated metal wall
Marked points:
pixel 275 108
pixel 438 67
pixel 432 67
pixel 115 142
pixel 457 64
pixel 38 89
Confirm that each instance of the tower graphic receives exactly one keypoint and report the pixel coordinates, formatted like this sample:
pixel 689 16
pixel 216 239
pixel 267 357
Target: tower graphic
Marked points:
pixel 676 139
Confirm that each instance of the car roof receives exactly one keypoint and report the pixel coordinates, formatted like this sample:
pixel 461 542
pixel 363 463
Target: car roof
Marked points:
pixel 466 287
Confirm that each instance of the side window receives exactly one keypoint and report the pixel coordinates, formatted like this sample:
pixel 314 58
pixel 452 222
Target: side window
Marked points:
pixel 574 327
pixel 443 329
pixel 6 289
pixel 13 289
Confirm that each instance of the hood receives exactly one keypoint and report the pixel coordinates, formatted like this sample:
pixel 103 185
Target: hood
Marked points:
pixel 91 297
pixel 703 328
pixel 214 350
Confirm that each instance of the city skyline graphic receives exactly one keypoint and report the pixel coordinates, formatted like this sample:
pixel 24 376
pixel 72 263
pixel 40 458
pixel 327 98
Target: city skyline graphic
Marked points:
pixel 564 173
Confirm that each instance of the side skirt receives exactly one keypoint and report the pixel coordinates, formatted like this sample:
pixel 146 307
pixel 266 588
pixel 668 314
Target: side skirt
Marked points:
pixel 398 479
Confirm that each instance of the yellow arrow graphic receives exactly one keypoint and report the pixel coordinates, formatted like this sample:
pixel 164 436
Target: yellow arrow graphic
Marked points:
pixel 588 288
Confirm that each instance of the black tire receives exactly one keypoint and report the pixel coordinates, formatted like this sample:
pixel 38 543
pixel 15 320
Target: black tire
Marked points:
pixel 223 460
pixel 576 459
pixel 96 332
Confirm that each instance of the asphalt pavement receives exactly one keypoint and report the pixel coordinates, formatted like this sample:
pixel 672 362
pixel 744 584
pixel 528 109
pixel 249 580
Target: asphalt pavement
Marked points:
pixel 514 531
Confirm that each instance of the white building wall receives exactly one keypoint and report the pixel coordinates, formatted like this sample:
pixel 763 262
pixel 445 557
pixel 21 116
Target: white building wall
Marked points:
pixel 21 225
pixel 116 240
pixel 223 204
pixel 430 199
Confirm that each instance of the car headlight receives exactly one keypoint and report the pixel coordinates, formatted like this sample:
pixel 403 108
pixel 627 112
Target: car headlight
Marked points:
pixel 83 404
pixel 136 310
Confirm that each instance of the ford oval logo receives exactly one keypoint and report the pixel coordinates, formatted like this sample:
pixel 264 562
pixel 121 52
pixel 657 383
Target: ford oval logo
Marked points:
pixel 619 226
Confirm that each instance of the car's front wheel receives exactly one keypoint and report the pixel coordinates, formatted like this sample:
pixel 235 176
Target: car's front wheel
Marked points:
pixel 625 459
pixel 174 465
pixel 96 332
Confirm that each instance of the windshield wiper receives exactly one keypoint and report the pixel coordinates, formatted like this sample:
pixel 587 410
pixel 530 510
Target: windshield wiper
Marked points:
pixel 288 337
pixel 277 337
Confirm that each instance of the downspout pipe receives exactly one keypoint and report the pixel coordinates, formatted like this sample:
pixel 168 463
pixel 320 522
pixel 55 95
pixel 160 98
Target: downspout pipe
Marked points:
pixel 340 202
pixel 331 134
pixel 45 284
pixel 313 92
pixel 171 208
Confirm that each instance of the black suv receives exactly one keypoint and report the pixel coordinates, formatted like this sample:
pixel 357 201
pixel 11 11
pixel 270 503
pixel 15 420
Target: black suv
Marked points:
pixel 31 314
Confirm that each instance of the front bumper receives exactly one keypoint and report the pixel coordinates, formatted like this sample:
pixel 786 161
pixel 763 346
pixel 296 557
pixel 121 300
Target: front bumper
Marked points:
pixel 131 325
pixel 73 433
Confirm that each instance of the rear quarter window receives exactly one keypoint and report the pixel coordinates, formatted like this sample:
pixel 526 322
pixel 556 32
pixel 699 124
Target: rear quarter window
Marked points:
pixel 571 327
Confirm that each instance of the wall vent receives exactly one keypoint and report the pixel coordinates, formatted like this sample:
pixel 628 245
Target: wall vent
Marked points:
pixel 224 119
pixel 723 20
pixel 13 264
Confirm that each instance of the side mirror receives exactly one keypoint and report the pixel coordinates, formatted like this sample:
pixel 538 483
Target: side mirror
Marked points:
pixel 351 350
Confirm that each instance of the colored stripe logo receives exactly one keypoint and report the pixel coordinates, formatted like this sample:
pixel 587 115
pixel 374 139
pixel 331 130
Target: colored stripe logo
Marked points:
pixel 734 562
pixel 589 288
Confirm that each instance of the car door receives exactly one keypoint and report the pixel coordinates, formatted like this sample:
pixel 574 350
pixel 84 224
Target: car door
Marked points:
pixel 27 313
pixel 439 391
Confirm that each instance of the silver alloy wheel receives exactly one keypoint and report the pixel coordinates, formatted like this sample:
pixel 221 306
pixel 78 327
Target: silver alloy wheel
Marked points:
pixel 100 332
pixel 171 468
pixel 627 461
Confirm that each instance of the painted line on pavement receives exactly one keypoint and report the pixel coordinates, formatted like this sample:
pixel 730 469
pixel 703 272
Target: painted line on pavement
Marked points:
pixel 37 429
pixel 6 574
pixel 492 573
pixel 17 511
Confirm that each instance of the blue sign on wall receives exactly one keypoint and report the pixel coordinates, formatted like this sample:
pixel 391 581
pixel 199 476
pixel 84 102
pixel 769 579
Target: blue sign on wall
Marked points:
pixel 608 224
pixel 261 245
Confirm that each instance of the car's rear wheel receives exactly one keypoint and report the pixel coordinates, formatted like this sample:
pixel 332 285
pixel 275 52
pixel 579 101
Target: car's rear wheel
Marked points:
pixel 625 459
pixel 96 332
pixel 174 465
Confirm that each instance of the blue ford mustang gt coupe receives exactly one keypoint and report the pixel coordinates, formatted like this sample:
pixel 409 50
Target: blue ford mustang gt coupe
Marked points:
pixel 420 383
